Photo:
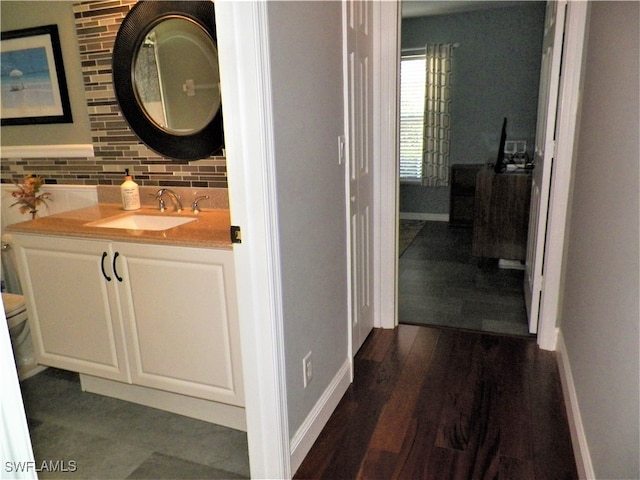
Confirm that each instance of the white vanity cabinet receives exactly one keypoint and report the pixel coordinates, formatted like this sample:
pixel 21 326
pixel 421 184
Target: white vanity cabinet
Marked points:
pixel 73 310
pixel 180 316
pixel 161 318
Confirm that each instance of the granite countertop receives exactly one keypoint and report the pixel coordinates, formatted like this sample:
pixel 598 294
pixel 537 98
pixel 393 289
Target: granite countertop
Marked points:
pixel 209 230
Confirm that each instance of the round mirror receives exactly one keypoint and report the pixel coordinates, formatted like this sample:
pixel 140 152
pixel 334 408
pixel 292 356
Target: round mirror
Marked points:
pixel 176 76
pixel 166 77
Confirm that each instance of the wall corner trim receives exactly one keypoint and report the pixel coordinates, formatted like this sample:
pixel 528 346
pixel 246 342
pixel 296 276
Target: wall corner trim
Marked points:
pixel 47 151
pixel 308 432
pixel 578 436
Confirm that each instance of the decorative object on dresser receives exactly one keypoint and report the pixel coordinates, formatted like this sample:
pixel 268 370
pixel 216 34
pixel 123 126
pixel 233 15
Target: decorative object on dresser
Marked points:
pixel 462 194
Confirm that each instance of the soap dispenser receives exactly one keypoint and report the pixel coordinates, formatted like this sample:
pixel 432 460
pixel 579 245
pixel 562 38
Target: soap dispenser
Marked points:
pixel 130 193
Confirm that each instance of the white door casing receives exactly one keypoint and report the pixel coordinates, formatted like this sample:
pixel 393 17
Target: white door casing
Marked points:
pixel 386 151
pixel 568 106
pixel 243 50
pixel 569 99
pixel 359 112
pixel 543 157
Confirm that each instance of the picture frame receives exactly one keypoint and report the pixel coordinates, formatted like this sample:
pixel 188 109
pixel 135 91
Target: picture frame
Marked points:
pixel 33 85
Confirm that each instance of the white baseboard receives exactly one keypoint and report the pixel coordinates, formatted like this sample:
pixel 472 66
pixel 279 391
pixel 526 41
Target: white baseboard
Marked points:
pixel 310 429
pixel 230 416
pixel 578 437
pixel 510 264
pixel 429 217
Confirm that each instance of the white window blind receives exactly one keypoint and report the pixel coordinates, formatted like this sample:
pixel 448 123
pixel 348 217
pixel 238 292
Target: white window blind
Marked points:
pixel 412 95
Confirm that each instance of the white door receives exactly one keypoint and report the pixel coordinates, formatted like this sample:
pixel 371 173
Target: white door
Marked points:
pixel 359 48
pixel 15 444
pixel 543 157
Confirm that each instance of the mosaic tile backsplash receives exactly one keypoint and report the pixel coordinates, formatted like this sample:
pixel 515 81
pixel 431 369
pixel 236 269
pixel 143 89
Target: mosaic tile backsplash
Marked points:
pixel 115 145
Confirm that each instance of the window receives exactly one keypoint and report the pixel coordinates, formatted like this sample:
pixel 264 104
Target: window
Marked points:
pixel 412 93
pixel 425 115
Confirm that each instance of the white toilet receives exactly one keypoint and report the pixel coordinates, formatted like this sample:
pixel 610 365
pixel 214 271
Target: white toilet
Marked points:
pixel 16 313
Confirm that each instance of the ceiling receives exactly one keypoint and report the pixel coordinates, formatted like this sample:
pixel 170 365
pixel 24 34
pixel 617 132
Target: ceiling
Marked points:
pixel 423 8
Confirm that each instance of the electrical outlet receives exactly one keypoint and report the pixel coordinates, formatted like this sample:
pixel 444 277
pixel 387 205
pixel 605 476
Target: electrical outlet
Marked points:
pixel 307 369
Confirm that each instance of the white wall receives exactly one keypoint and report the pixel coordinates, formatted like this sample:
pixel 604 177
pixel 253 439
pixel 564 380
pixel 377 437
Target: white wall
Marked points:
pixel 63 198
pixel 600 315
pixel 306 63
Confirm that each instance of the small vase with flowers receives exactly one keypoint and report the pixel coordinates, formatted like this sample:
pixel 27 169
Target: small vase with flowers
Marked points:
pixel 28 195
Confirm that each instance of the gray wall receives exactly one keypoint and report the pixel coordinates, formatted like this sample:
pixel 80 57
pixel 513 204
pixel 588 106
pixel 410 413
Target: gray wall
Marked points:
pixel 496 75
pixel 19 15
pixel 306 63
pixel 600 314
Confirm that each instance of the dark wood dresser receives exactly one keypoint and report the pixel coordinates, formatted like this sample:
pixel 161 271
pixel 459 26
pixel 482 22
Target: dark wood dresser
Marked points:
pixel 501 214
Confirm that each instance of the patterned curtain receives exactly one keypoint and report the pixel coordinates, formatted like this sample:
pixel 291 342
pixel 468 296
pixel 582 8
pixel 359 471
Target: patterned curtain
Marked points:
pixel 437 115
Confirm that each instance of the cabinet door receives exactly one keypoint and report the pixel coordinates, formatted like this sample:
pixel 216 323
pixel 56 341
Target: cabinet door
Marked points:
pixel 501 215
pixel 180 313
pixel 70 303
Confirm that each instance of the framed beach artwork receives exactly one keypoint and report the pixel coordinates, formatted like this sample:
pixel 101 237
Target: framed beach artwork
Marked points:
pixel 33 87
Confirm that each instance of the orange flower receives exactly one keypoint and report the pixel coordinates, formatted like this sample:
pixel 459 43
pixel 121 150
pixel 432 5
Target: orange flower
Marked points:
pixel 28 194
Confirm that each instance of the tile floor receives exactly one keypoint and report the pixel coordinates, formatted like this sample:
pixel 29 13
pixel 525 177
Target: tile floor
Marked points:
pixel 113 439
pixel 441 283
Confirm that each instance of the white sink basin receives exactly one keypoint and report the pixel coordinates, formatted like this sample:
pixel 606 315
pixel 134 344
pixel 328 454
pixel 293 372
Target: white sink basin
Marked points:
pixel 142 221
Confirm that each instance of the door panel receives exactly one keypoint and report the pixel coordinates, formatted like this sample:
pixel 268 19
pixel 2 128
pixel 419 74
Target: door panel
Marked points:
pixel 72 303
pixel 543 158
pixel 359 106
pixel 179 308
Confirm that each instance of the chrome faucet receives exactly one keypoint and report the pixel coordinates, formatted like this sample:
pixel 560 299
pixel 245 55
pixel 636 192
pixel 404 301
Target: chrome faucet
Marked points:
pixel 175 199
pixel 195 208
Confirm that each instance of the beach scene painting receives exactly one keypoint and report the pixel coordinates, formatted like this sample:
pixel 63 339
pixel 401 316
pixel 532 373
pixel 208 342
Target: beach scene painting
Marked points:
pixel 32 83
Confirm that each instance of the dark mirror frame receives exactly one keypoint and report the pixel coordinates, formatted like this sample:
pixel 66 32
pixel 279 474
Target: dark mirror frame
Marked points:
pixel 135 26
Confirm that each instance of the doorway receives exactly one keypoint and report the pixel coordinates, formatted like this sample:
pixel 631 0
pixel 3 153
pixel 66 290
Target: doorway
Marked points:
pixel 496 75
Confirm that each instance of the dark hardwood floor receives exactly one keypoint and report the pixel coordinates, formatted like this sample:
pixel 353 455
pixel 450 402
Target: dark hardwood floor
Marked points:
pixel 437 403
